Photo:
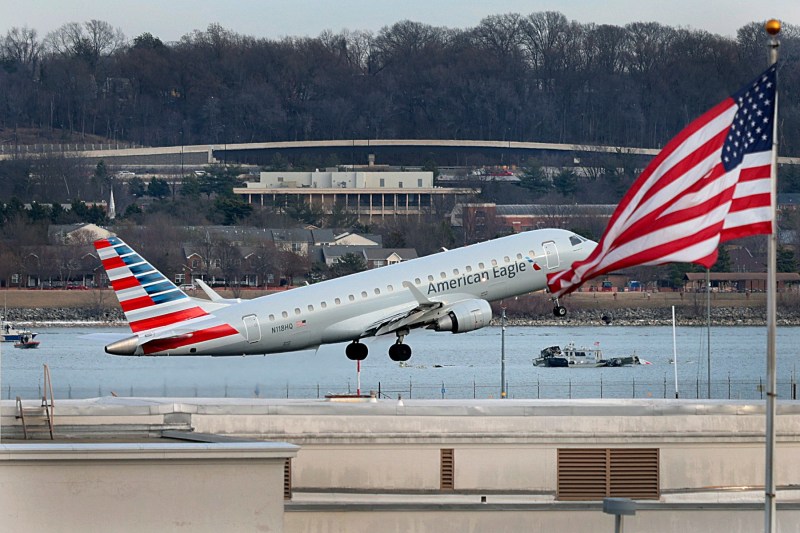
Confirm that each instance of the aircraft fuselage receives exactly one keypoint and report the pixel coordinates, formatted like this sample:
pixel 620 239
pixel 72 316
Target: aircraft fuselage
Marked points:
pixel 349 308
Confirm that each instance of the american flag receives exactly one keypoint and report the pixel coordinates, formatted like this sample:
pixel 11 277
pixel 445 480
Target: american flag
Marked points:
pixel 710 184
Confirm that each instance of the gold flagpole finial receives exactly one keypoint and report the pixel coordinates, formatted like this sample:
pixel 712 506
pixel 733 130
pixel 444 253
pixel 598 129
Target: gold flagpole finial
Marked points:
pixel 773 26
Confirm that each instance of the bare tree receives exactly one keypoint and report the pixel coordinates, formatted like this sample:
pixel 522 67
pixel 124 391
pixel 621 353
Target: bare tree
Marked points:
pixel 230 264
pixel 89 41
pixel 22 47
pixel 103 38
pixel 502 34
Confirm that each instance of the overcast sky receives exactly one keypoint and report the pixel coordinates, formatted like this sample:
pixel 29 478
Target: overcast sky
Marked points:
pixel 171 19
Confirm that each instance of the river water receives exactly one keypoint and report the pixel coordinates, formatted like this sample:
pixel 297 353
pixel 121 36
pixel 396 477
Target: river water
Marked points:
pixel 443 365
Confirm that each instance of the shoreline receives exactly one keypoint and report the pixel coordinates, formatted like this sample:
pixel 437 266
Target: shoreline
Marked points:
pixel 99 308
pixel 720 317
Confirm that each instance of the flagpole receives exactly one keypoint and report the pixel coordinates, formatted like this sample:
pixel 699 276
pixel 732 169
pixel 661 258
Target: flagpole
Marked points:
pixel 708 330
pixel 773 27
pixel 674 353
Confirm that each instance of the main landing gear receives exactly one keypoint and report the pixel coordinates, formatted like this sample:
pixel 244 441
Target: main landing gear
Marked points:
pixel 399 351
pixel 559 310
pixel 356 351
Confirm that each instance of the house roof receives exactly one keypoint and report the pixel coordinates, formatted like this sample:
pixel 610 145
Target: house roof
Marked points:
pixel 292 235
pixel 331 253
pixel 323 236
pixel 555 210
pixel 62 232
pixel 355 239
pixel 381 254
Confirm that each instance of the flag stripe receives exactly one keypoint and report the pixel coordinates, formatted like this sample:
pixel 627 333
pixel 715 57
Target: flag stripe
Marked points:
pixel 671 155
pixel 710 183
pixel 675 213
pixel 631 208
pixel 737 232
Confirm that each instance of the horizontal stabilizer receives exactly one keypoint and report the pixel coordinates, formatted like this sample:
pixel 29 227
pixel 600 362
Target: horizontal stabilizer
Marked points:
pixel 214 296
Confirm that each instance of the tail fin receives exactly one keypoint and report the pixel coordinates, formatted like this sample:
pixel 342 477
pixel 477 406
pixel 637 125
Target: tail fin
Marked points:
pixel 148 298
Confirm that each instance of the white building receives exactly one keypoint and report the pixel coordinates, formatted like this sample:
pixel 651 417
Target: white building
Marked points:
pixel 366 194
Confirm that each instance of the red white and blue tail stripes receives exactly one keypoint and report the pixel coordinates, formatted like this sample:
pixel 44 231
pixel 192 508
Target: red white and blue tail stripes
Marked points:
pixel 153 304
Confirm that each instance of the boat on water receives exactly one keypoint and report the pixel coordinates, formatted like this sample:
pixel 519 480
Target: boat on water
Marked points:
pixel 574 357
pixel 9 333
pixel 26 344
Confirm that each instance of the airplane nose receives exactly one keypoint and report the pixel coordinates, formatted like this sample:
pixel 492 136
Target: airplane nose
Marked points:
pixel 586 248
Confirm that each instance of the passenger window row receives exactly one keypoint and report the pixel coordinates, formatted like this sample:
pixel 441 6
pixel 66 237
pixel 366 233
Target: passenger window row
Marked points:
pixel 390 288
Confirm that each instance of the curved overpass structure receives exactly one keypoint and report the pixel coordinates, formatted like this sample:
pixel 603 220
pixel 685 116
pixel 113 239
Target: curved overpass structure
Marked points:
pixel 355 149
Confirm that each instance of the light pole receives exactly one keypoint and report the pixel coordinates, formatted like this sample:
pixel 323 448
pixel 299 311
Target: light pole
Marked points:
pixel 619 507
pixel 180 178
pixel 503 392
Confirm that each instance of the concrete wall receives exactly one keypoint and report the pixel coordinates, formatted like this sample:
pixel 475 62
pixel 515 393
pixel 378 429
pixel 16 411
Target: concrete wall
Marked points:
pixel 512 445
pixel 375 466
pixel 510 518
pixel 143 487
pixel 508 445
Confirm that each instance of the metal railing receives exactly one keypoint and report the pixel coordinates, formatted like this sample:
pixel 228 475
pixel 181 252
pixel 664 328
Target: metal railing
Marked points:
pixel 721 389
pixel 10 148
pixel 44 412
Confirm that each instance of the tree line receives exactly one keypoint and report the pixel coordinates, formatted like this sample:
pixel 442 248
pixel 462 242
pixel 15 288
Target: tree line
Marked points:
pixel 536 77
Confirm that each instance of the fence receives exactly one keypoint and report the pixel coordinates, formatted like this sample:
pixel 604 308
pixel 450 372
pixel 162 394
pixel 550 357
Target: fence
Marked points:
pixel 65 147
pixel 731 389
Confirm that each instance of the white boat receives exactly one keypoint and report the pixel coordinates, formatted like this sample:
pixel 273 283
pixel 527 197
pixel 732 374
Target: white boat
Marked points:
pixel 574 357
pixel 8 333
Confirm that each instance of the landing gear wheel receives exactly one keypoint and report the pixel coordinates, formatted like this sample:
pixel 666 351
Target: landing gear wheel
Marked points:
pixel 356 351
pixel 560 311
pixel 400 352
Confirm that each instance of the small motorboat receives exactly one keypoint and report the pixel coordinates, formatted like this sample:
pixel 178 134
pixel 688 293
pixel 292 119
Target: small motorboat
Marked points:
pixel 26 343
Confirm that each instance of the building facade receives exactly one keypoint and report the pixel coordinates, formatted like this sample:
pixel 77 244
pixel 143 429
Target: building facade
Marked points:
pixel 367 194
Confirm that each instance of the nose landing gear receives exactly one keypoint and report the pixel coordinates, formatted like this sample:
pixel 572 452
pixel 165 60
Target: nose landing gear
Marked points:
pixel 559 310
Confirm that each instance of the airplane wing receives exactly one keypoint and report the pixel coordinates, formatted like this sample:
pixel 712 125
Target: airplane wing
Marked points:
pixel 442 314
pixel 417 315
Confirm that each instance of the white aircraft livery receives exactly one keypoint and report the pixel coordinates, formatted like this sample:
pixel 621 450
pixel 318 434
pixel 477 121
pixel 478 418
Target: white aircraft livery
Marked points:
pixel 447 291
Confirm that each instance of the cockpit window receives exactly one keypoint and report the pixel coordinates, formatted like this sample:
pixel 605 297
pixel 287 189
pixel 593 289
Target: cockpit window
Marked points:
pixel 575 240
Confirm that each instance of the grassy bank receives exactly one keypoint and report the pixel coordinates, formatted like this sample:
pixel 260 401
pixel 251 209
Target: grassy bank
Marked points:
pixel 83 299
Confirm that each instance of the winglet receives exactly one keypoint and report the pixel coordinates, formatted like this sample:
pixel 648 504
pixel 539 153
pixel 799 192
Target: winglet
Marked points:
pixel 421 298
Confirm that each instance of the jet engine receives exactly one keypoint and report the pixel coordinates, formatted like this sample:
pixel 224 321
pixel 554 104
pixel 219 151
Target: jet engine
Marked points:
pixel 468 315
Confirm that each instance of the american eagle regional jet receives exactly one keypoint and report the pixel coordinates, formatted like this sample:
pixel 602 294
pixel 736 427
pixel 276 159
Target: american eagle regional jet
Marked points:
pixel 447 291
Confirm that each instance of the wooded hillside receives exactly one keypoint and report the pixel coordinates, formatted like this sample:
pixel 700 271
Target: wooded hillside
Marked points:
pixel 537 77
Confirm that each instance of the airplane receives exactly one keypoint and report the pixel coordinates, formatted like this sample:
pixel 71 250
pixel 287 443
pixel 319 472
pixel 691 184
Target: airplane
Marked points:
pixel 446 291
